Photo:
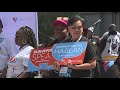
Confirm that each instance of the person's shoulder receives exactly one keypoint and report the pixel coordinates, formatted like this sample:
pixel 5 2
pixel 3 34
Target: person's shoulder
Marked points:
pixel 54 42
pixel 66 40
pixel 30 47
pixel 84 39
pixel 106 33
pixel 26 50
pixel 105 36
pixel 96 37
pixel 118 33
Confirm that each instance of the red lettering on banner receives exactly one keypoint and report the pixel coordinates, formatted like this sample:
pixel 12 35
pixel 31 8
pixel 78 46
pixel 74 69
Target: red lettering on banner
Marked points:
pixel 44 55
pixel 41 55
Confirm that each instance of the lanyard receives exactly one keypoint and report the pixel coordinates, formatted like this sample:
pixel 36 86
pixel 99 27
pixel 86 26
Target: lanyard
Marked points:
pixel 79 38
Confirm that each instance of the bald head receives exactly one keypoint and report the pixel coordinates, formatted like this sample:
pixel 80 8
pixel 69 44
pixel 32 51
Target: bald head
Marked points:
pixel 112 29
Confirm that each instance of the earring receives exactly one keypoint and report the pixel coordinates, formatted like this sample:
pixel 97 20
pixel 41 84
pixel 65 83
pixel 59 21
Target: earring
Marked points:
pixel 24 42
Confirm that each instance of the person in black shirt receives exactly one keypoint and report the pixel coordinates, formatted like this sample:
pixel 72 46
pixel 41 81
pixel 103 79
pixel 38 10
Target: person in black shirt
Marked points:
pixel 96 42
pixel 60 32
pixel 75 28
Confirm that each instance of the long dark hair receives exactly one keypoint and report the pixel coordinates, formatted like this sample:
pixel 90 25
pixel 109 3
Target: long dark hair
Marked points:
pixel 30 36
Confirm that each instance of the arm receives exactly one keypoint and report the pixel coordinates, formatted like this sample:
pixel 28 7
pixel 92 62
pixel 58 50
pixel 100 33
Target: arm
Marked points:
pixel 102 45
pixel 24 74
pixel 98 48
pixel 4 72
pixel 89 59
pixel 103 41
pixel 84 66
pixel 45 72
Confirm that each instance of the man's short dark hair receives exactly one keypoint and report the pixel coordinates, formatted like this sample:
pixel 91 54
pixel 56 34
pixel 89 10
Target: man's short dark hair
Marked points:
pixel 1 25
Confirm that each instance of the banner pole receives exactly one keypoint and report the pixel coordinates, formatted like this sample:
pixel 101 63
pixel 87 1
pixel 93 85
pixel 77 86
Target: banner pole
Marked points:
pixel 36 14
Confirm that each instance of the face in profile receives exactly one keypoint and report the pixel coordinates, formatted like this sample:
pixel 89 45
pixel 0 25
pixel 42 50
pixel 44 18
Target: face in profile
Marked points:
pixel 20 38
pixel 89 34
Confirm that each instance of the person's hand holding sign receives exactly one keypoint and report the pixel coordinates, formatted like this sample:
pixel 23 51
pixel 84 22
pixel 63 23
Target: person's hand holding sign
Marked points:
pixel 70 65
pixel 56 66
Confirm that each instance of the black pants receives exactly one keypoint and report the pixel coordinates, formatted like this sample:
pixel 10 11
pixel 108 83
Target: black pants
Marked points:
pixel 96 72
pixel 113 72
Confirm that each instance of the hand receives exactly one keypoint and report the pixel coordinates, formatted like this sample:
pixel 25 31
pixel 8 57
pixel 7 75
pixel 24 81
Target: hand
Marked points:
pixel 41 46
pixel 45 72
pixel 56 66
pixel 70 65
pixel 91 29
pixel 4 72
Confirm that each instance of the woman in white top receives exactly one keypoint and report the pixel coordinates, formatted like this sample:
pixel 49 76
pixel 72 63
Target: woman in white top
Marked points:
pixel 17 66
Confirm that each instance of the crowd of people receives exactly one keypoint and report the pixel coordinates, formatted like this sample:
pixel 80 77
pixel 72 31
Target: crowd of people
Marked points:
pixel 101 60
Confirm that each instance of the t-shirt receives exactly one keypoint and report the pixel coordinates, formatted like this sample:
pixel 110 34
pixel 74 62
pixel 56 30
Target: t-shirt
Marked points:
pixel 110 45
pixel 89 55
pixel 53 42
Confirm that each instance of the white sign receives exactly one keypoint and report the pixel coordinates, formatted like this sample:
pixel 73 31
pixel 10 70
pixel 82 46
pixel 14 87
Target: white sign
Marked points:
pixel 12 21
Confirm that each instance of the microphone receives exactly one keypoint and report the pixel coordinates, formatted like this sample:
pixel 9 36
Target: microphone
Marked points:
pixel 99 20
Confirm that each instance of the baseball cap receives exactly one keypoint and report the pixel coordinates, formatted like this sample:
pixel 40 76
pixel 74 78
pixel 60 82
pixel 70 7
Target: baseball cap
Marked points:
pixel 60 21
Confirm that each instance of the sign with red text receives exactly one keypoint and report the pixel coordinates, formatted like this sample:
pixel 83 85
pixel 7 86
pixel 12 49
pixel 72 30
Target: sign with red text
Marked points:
pixel 44 58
